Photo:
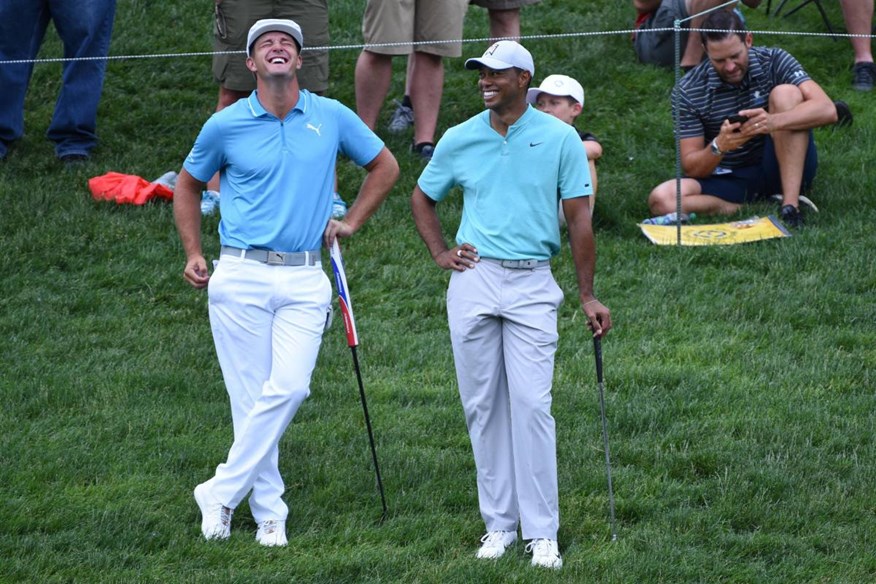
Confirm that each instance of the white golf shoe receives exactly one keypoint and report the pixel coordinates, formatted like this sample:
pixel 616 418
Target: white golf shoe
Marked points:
pixel 215 517
pixel 272 533
pixel 495 543
pixel 545 553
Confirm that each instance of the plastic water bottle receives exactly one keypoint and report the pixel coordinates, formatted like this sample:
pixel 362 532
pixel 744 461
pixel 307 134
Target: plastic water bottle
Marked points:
pixel 670 219
pixel 339 207
pixel 209 202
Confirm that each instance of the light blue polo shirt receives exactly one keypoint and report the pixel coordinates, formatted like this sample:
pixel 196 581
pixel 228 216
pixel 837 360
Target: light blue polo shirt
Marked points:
pixel 277 176
pixel 511 184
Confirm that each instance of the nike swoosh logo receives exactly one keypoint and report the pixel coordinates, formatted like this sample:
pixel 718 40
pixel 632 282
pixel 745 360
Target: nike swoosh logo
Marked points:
pixel 533 144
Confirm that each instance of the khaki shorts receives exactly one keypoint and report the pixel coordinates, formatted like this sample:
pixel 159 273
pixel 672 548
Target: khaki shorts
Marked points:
pixel 233 19
pixel 503 4
pixel 404 21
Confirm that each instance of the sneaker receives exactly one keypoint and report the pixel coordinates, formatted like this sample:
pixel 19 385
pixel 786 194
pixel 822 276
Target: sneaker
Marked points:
pixel 209 202
pixel 863 76
pixel 272 533
pixel 791 216
pixel 545 553
pixel 424 150
pixel 805 202
pixel 843 114
pixel 339 207
pixel 215 517
pixel 402 118
pixel 495 543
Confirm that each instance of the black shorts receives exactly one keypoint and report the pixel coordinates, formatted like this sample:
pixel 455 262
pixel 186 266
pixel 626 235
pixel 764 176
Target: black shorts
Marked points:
pixel 748 183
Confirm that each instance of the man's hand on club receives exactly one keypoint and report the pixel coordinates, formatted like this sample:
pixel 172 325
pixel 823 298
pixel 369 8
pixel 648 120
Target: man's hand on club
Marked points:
pixel 598 316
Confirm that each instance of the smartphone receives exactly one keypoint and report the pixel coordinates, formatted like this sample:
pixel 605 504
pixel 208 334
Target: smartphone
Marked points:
pixel 736 118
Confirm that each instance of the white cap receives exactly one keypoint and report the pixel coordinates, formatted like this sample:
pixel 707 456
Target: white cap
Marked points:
pixel 290 27
pixel 559 85
pixel 504 55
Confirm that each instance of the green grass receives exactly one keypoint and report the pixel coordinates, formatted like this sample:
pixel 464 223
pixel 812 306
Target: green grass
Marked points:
pixel 739 380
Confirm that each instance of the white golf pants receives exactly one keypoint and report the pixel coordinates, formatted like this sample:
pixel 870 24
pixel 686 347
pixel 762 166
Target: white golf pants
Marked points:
pixel 267 325
pixel 503 328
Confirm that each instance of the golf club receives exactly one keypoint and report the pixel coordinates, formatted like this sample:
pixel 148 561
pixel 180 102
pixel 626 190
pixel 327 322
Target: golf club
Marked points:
pixel 597 351
pixel 346 306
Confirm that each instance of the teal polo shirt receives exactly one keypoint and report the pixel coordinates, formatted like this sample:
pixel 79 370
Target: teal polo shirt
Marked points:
pixel 277 176
pixel 510 184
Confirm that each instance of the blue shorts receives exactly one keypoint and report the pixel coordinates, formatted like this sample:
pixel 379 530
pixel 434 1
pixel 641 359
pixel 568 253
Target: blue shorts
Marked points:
pixel 749 183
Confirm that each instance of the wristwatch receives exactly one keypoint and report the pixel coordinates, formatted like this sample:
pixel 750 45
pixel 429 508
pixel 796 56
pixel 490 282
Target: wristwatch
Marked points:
pixel 714 147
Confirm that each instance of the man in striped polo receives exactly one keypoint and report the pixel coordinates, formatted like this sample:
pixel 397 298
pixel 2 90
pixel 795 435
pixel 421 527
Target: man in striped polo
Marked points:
pixel 767 150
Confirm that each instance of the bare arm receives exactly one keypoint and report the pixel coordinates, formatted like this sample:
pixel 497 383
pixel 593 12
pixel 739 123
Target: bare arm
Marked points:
pixel 429 226
pixel 593 149
pixel 697 159
pixel 381 177
pixel 187 214
pixel 577 212
pixel 816 110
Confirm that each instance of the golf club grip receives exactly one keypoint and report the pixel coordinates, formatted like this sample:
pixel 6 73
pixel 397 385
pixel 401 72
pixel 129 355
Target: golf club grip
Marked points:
pixel 597 352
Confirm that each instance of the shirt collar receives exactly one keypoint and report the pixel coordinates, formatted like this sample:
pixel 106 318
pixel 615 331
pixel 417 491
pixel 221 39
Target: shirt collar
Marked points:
pixel 257 111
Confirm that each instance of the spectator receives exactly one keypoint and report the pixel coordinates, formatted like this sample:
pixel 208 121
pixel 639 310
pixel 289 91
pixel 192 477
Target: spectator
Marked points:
pixel 658 48
pixel 389 21
pixel 269 298
pixel 504 16
pixel 504 23
pixel 563 97
pixel 512 163
pixel 233 19
pixel 85 29
pixel 858 15
pixel 727 163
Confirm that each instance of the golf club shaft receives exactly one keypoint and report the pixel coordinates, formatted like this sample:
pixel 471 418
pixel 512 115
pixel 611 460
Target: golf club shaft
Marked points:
pixel 597 350
pixel 370 432
pixel 346 305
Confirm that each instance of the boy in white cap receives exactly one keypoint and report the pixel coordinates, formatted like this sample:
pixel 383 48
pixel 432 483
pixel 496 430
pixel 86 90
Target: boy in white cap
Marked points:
pixel 563 97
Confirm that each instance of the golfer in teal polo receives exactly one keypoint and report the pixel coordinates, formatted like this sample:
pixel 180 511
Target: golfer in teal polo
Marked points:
pixel 512 163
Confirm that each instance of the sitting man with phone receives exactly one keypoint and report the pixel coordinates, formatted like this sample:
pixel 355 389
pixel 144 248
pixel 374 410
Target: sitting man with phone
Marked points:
pixel 767 150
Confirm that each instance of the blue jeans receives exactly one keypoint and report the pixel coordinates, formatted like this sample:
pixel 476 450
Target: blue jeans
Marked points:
pixel 85 28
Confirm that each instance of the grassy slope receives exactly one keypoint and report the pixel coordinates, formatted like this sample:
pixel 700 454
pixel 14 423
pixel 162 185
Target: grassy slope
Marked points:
pixel 739 380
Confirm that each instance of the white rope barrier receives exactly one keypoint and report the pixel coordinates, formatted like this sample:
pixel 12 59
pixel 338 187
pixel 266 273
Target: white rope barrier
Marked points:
pixel 481 40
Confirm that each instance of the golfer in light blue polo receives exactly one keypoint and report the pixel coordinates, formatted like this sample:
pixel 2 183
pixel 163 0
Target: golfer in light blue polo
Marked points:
pixel 512 163
pixel 275 152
